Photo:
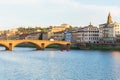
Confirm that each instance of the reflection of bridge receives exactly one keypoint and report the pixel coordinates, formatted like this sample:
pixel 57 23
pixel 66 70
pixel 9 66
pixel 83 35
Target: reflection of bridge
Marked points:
pixel 40 44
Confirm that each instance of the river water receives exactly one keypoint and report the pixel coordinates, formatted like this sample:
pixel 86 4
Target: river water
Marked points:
pixel 29 64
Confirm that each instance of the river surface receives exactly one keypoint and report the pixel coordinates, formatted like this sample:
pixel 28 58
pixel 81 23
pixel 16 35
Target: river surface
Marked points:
pixel 29 64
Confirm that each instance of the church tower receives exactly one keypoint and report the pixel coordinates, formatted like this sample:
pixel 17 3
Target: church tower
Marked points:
pixel 90 24
pixel 109 20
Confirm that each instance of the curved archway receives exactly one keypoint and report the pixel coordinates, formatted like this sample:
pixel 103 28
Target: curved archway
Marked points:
pixel 55 46
pixel 27 45
pixel 6 47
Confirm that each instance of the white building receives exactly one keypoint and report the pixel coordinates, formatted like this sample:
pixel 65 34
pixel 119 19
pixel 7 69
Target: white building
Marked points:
pixel 109 31
pixel 87 34
pixel 91 34
pixel 68 36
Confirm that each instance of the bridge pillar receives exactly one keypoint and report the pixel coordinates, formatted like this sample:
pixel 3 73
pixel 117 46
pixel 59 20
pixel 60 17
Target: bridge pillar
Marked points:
pixel 42 46
pixel 38 48
pixel 10 46
pixel 68 47
pixel 6 48
pixel 62 47
pixel 65 47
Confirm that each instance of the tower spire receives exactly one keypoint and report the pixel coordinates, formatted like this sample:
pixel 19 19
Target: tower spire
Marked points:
pixel 90 23
pixel 109 20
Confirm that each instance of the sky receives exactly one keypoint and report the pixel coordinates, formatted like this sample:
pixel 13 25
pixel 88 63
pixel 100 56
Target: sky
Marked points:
pixel 44 13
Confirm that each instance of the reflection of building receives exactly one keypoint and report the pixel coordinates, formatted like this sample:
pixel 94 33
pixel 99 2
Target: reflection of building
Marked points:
pixel 109 31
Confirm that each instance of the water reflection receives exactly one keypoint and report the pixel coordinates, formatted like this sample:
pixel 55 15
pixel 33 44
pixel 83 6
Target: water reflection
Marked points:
pixel 116 56
pixel 2 48
pixel 116 64
pixel 29 64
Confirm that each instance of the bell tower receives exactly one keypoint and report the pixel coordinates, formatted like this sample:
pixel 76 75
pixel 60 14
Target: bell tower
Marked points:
pixel 109 20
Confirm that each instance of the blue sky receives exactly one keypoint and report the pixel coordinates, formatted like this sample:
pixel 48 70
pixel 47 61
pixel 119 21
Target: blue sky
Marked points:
pixel 16 13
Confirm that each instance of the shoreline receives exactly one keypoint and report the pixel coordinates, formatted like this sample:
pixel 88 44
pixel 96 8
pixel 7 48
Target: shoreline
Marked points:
pixel 89 47
pixel 74 47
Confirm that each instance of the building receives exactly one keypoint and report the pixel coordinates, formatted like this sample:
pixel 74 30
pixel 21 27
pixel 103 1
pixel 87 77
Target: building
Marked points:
pixel 110 31
pixel 11 32
pixel 2 32
pixel 78 36
pixel 47 35
pixel 59 36
pixel 87 34
pixel 62 27
pixel 91 34
pixel 13 37
pixel 55 32
pixel 44 36
pixel 22 36
pixel 68 36
pixel 65 25
pixel 33 36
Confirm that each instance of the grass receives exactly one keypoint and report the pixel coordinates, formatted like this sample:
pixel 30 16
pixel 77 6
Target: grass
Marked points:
pixel 103 47
pixel 74 47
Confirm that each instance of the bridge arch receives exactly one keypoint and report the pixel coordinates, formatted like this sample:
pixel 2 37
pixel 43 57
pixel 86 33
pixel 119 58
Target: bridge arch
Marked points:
pixel 38 47
pixel 53 44
pixel 61 46
pixel 39 44
pixel 6 47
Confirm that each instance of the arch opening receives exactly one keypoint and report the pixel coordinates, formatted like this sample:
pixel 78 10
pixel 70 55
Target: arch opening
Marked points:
pixel 54 46
pixel 26 46
pixel 3 47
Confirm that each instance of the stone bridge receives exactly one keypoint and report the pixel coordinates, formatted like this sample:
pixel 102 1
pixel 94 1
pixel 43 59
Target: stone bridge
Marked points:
pixel 40 44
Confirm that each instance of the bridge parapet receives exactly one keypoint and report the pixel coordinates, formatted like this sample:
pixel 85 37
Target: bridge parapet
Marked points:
pixel 40 44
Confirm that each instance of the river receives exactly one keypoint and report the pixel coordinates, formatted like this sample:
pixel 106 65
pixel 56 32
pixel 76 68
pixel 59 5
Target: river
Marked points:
pixel 29 64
